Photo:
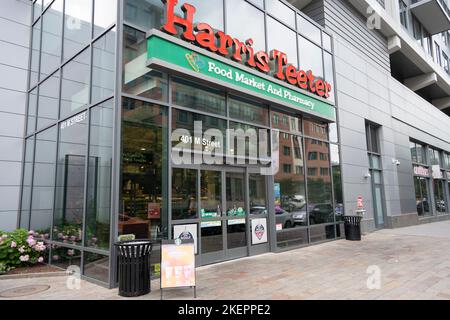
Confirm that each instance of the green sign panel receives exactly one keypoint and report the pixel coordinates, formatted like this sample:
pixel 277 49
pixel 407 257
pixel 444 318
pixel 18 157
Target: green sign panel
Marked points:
pixel 212 69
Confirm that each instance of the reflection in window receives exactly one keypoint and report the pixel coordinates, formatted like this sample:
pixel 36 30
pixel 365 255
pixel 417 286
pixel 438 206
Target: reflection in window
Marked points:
pixel 75 84
pixel 281 11
pixel 52 23
pixel 290 123
pixel 37 9
pixel 71 167
pixel 77 26
pixel 146 14
pixel 320 207
pixel 287 43
pixel 326 41
pixel 248 143
pixel 143 205
pixel 310 57
pixel 35 48
pixel 423 205
pixel 26 185
pixel 210 12
pixel 308 29
pixel 329 72
pixel 184 194
pixel 439 195
pixel 247 111
pixel 32 109
pixel 239 11
pixel 99 176
pixel 105 14
pixel 96 266
pixel 137 78
pixel 48 101
pixel 290 194
pixel 236 209
pixel 64 257
pixel 190 95
pixel 315 129
pixel 211 194
pixel 44 181
pixel 257 196
pixel 103 67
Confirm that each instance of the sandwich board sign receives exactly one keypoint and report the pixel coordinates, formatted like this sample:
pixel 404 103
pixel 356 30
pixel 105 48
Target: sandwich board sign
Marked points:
pixel 178 265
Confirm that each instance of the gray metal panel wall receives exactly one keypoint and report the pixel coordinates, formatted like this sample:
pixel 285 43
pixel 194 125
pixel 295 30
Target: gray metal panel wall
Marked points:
pixel 14 56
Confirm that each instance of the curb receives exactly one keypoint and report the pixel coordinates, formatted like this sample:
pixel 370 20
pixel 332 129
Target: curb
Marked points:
pixel 33 275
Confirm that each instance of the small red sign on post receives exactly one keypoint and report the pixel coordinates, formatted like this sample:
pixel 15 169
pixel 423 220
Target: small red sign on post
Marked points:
pixel 360 203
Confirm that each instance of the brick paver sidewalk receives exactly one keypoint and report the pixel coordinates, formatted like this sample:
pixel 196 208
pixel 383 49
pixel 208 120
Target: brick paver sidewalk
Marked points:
pixel 414 263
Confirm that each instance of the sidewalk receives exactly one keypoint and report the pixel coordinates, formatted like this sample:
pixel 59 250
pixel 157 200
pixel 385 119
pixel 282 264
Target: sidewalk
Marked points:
pixel 414 263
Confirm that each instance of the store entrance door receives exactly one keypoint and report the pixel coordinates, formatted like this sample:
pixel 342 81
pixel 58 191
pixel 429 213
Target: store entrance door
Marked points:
pixel 227 200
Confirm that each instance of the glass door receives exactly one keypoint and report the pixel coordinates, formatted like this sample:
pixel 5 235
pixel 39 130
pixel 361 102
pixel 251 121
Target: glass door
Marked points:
pixel 236 214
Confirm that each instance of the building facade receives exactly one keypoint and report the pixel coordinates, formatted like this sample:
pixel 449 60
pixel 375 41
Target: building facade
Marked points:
pixel 250 126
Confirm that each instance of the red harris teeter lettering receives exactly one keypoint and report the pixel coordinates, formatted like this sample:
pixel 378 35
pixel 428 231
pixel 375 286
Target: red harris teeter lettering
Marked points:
pixel 227 46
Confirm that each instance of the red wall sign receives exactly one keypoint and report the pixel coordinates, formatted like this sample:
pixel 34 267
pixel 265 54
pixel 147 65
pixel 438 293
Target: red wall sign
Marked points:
pixel 421 171
pixel 225 45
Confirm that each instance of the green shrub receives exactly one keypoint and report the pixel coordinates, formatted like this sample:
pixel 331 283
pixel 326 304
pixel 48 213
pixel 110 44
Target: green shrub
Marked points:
pixel 20 249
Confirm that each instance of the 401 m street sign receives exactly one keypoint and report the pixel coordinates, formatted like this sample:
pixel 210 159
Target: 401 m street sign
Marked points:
pixel 174 55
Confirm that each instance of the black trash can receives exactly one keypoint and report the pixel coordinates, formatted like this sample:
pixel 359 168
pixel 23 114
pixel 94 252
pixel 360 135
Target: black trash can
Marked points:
pixel 352 226
pixel 134 267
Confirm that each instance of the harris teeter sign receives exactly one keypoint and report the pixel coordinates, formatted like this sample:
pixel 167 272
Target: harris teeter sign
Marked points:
pixel 173 54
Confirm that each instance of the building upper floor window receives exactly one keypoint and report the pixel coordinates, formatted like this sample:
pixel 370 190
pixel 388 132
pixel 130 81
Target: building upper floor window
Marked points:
pixel 403 13
pixel 445 61
pixel 434 156
pixel 437 57
pixel 373 144
pixel 417 152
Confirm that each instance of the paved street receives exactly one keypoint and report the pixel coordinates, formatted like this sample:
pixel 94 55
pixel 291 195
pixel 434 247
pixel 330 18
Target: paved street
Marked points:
pixel 414 264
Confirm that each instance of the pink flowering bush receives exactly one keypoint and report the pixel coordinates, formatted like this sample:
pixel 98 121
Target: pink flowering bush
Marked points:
pixel 20 248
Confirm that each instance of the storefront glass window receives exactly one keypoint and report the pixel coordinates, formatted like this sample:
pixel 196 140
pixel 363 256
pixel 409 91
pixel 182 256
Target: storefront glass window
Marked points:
pixel 44 181
pixel 290 194
pixel 439 195
pixel 315 129
pixel 320 207
pixel 103 66
pixel 286 122
pixel 71 168
pixel 257 188
pixel 434 157
pixel 146 14
pixel 26 185
pixel 35 49
pixel 137 78
pixel 32 109
pixel 77 26
pixel 37 9
pixel 99 177
pixel 64 257
pixel 248 111
pixel 329 72
pixel 281 11
pixel 211 194
pixel 422 196
pixel 187 142
pixel 190 95
pixel 48 101
pixel 105 14
pixel 143 207
pixel 249 138
pixel 308 29
pixel 96 266
pixel 237 13
pixel 52 24
pixel 310 57
pixel 75 84
pixel 326 41
pixel 184 194
pixel 210 12
pixel 287 43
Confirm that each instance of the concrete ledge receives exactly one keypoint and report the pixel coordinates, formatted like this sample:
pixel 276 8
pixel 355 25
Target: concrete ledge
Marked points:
pixel 404 220
pixel 431 219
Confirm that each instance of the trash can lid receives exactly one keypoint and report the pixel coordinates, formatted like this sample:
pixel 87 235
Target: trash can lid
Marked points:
pixel 133 243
